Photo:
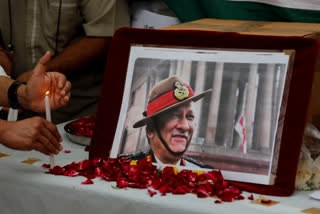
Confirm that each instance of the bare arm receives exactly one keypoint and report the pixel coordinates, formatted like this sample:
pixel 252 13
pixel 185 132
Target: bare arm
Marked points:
pixel 5 62
pixel 5 82
pixel 76 56
pixel 79 54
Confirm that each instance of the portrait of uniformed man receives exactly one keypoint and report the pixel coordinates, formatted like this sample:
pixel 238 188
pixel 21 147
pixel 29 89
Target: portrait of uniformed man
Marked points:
pixel 169 122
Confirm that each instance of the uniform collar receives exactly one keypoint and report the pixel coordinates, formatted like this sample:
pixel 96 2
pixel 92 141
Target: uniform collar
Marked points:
pixel 181 161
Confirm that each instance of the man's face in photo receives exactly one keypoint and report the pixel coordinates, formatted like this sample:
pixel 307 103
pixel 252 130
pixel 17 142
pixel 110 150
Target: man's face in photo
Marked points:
pixel 176 127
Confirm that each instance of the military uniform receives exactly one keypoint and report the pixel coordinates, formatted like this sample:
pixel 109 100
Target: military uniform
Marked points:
pixel 184 161
pixel 169 94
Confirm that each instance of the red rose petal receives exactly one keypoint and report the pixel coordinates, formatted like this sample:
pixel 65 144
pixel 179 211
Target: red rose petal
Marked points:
pixel 122 184
pixel 145 175
pixel 46 165
pixel 239 197
pixel 250 197
pixel 227 195
pixel 98 172
pixel 151 193
pixel 67 151
pixel 71 173
pixel 202 192
pixel 57 170
pixel 164 189
pixel 88 181
pixel 179 191
pixel 218 202
pixel 83 126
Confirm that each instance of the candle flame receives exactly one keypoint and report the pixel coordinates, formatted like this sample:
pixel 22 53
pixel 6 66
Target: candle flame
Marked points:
pixel 47 92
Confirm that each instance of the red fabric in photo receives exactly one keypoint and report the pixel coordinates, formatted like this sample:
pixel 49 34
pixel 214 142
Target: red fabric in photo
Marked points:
pixel 304 66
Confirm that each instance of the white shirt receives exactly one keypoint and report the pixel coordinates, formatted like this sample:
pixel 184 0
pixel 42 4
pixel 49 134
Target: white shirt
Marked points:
pixel 2 72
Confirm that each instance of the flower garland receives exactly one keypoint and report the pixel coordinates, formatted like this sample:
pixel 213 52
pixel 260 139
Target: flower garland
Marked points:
pixel 143 174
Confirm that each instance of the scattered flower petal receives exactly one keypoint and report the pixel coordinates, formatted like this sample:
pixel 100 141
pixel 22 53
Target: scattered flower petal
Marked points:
pixel 88 181
pixel 239 197
pixel 71 173
pixel 143 174
pixel 202 192
pixel 46 165
pixel 57 170
pixel 151 193
pixel 67 151
pixel 122 183
pixel 250 197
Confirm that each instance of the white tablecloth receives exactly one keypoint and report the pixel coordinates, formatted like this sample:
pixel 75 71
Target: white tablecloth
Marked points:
pixel 26 188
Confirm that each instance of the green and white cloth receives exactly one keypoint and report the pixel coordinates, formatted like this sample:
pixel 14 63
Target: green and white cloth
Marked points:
pixel 307 11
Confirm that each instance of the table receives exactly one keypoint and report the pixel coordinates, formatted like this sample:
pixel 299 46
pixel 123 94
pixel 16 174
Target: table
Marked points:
pixel 27 188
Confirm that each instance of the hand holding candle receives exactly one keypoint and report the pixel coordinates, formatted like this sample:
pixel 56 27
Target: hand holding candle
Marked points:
pixel 40 81
pixel 48 117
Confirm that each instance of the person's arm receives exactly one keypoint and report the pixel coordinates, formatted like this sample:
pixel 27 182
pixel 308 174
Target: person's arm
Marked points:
pixel 5 83
pixel 5 61
pixel 29 134
pixel 31 96
pixel 78 55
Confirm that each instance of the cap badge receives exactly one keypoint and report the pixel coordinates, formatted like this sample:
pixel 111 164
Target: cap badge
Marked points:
pixel 180 92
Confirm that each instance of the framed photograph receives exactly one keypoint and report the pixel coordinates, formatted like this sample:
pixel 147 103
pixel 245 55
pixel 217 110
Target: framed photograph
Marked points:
pixel 205 109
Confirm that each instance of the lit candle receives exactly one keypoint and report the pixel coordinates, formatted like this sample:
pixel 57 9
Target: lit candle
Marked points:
pixel 48 116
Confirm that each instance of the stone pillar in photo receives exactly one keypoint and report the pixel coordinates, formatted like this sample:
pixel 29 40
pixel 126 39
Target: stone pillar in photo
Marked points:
pixel 185 71
pixel 251 98
pixel 265 121
pixel 199 87
pixel 215 101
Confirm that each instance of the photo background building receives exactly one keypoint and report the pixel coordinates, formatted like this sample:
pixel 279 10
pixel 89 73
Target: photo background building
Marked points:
pixel 252 90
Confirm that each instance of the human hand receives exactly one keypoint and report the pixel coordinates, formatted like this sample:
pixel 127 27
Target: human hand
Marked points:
pixel 39 83
pixel 29 134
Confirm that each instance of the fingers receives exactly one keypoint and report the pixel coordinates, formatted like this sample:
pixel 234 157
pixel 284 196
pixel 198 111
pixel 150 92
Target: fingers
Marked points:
pixel 45 58
pixel 50 131
pixel 62 89
pixel 48 140
pixel 66 98
pixel 62 84
pixel 54 131
pixel 59 79
pixel 66 89
pixel 38 146
pixel 42 64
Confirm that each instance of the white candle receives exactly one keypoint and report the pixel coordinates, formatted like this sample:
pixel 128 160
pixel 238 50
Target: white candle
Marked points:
pixel 48 117
pixel 47 104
